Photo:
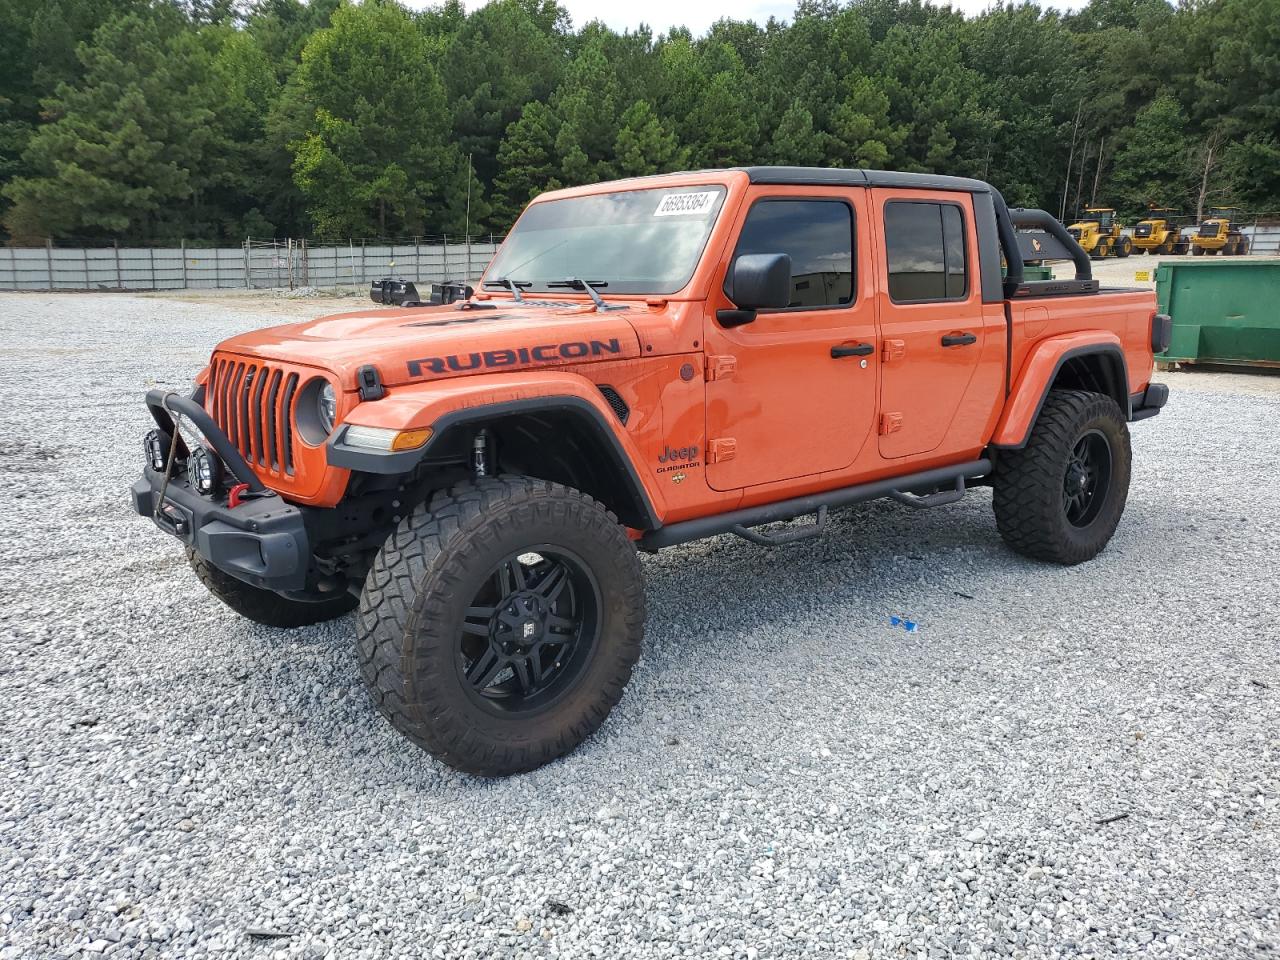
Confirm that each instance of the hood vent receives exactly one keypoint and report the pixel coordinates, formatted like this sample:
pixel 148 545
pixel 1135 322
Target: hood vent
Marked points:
pixel 452 320
pixel 616 403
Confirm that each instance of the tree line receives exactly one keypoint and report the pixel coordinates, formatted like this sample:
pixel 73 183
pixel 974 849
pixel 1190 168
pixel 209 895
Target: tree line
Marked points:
pixel 145 121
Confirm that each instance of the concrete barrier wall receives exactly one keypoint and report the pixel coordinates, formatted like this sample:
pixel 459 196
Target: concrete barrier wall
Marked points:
pixel 254 265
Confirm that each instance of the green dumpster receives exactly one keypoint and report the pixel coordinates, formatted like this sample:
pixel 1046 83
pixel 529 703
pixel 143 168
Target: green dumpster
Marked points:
pixel 1224 311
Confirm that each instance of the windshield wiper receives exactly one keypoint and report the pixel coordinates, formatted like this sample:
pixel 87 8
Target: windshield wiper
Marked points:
pixel 508 284
pixel 573 283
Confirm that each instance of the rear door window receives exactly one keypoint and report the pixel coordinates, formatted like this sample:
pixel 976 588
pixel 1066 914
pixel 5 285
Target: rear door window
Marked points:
pixel 925 248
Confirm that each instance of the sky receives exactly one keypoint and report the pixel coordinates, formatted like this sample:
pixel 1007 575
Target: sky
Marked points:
pixel 662 15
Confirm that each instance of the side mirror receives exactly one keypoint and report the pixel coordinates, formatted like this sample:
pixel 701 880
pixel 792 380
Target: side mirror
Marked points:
pixel 757 281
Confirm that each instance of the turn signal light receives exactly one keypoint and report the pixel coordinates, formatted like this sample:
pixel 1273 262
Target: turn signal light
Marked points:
pixel 380 438
pixel 411 439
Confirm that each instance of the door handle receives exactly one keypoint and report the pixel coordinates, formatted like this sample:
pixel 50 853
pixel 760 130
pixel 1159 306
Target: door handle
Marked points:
pixel 959 339
pixel 852 350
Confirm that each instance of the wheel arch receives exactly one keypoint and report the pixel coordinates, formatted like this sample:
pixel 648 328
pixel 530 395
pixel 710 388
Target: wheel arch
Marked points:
pixel 565 439
pixel 1098 367
pixel 552 428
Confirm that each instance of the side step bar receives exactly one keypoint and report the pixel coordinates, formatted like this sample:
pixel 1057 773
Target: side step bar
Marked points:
pixel 738 521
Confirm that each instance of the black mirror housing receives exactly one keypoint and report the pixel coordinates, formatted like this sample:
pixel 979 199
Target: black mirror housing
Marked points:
pixel 761 281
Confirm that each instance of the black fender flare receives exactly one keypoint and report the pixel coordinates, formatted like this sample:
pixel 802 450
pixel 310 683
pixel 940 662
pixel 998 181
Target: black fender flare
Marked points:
pixel 1117 386
pixel 370 461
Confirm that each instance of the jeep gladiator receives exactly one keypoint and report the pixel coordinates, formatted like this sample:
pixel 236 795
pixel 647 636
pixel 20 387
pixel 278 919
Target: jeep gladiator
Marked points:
pixel 644 363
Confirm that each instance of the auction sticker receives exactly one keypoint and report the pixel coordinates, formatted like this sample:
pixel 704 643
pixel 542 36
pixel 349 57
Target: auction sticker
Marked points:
pixel 686 204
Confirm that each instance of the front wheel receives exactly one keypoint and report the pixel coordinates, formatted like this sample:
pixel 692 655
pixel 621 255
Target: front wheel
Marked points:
pixel 266 606
pixel 1125 247
pixel 500 623
pixel 1060 497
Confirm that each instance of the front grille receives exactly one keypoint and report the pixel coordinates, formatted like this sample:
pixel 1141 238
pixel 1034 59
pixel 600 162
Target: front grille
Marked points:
pixel 1142 230
pixel 253 404
pixel 1209 230
pixel 1075 232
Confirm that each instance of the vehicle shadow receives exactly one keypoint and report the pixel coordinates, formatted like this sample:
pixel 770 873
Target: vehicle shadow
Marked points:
pixel 703 601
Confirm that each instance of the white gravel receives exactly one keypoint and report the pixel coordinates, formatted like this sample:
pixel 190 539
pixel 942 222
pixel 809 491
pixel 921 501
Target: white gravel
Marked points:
pixel 788 775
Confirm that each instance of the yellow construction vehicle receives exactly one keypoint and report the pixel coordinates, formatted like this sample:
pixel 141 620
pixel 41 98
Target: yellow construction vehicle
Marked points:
pixel 1219 233
pixel 1159 233
pixel 1098 233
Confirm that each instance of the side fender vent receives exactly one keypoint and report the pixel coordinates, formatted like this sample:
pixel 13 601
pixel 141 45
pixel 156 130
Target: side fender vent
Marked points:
pixel 619 406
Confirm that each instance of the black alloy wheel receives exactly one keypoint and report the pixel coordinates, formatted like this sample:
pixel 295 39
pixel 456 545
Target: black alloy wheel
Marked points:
pixel 529 630
pixel 1087 478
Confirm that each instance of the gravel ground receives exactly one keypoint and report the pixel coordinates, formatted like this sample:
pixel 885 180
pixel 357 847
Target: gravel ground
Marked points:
pixel 1061 762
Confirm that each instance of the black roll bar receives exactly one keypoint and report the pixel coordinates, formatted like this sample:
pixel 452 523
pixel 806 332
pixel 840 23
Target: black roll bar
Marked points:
pixel 1007 220
pixel 1023 217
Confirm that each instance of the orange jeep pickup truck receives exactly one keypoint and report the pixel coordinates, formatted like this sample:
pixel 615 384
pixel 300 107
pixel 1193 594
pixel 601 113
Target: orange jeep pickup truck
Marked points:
pixel 645 363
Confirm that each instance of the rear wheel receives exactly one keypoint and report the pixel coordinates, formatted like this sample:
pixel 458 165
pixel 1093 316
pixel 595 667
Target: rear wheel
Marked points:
pixel 500 623
pixel 1101 251
pixel 265 606
pixel 1060 497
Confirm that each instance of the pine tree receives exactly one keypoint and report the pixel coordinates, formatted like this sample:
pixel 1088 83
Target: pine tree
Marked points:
pixel 120 155
pixel 505 54
pixel 373 157
pixel 723 120
pixel 527 163
pixel 1152 167
pixel 587 107
pixel 644 145
pixel 795 141
pixel 862 135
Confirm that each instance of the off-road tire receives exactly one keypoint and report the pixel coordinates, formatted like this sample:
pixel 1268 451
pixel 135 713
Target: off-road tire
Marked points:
pixel 265 606
pixel 1029 497
pixel 1197 251
pixel 418 591
pixel 1124 247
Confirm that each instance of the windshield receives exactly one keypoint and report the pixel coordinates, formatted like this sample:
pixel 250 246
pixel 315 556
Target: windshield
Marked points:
pixel 634 241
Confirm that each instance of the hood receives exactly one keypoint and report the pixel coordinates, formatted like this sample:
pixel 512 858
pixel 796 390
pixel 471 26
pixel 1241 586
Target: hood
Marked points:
pixel 433 343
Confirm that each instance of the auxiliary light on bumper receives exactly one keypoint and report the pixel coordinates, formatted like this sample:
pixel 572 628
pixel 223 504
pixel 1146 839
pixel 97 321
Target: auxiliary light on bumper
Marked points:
pixel 204 471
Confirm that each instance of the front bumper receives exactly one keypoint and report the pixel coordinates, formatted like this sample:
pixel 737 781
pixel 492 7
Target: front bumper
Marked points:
pixel 262 540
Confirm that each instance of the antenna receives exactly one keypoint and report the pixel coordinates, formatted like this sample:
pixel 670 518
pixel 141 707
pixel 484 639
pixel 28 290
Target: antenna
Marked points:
pixel 468 234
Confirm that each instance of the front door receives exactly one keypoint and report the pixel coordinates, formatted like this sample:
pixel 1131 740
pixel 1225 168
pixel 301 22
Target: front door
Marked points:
pixel 793 392
pixel 931 318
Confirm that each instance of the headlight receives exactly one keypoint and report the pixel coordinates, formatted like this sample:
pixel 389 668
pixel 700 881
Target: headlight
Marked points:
pixel 204 471
pixel 327 407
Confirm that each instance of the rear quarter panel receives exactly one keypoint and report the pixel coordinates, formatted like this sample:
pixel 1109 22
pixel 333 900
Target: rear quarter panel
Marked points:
pixel 1045 329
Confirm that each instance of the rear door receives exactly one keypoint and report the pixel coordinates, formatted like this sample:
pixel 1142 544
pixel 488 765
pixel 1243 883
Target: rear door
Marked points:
pixel 793 392
pixel 930 307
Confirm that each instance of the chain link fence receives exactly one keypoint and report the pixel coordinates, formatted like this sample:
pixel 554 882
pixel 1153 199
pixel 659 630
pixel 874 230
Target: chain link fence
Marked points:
pixel 255 264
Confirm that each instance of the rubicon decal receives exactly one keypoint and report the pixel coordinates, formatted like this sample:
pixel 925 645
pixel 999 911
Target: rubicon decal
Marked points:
pixel 519 356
